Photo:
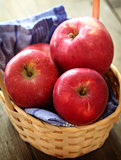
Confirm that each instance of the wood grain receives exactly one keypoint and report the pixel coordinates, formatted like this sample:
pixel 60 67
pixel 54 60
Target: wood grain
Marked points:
pixel 11 146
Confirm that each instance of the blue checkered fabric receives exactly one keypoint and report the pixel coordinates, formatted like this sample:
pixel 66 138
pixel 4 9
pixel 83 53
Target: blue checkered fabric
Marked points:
pixel 17 34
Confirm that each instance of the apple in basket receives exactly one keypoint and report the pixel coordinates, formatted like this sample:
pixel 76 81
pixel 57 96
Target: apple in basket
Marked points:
pixel 30 77
pixel 80 95
pixel 82 42
pixel 44 47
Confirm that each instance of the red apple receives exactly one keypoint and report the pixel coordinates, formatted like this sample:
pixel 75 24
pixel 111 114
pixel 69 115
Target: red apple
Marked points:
pixel 44 47
pixel 30 77
pixel 82 42
pixel 80 95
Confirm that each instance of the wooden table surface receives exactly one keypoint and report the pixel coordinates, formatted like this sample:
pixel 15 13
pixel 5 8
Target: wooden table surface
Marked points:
pixel 12 147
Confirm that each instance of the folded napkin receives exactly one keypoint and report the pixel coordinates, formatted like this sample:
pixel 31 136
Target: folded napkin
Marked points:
pixel 17 34
pixel 48 116
pixel 111 106
pixel 55 119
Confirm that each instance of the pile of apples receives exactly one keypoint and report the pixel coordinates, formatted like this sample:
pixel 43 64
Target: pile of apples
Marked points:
pixel 68 72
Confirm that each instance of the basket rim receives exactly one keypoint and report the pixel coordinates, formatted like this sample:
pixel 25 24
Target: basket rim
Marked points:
pixel 100 122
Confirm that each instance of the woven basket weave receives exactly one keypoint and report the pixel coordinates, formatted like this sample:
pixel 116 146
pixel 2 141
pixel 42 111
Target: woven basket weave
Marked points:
pixel 65 142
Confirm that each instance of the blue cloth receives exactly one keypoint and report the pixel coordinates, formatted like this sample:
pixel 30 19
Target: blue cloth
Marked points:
pixel 48 116
pixel 17 34
pixel 111 106
pixel 55 119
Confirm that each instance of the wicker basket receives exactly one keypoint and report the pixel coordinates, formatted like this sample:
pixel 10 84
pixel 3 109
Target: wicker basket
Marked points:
pixel 64 142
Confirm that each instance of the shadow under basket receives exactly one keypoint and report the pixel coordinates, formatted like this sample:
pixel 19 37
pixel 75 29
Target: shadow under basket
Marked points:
pixel 66 142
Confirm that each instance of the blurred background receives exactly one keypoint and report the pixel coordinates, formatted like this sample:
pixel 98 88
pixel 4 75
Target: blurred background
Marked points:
pixel 110 14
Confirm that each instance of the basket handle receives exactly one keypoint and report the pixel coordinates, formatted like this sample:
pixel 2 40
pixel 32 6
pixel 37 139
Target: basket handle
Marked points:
pixel 5 93
pixel 96 8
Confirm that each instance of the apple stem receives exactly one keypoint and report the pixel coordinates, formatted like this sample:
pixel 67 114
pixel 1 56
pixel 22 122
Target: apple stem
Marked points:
pixel 71 35
pixel 29 74
pixel 84 91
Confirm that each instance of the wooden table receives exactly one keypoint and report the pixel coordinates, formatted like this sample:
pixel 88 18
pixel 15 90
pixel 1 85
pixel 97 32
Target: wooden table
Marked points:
pixel 12 146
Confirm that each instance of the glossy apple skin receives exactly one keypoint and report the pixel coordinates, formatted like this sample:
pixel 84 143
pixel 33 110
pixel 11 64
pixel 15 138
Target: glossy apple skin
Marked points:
pixel 91 46
pixel 71 104
pixel 43 47
pixel 35 90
